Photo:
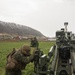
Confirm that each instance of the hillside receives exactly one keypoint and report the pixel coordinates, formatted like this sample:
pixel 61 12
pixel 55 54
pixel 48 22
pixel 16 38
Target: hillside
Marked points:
pixel 17 29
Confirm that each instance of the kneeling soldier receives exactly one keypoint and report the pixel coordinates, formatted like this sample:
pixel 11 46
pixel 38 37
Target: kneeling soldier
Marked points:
pixel 17 60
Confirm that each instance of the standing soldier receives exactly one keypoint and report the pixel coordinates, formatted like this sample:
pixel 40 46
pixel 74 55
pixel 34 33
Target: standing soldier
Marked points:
pixel 32 42
pixel 36 42
pixel 17 60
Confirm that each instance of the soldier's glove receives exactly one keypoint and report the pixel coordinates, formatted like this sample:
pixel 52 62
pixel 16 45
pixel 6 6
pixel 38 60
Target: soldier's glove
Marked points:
pixel 33 56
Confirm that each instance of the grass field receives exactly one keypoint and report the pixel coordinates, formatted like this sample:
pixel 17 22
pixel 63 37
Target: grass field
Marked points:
pixel 6 48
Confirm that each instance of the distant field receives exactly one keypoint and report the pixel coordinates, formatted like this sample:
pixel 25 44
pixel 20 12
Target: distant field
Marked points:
pixel 6 48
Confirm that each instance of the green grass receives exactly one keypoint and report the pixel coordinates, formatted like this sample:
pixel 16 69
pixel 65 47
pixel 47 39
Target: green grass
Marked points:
pixel 6 48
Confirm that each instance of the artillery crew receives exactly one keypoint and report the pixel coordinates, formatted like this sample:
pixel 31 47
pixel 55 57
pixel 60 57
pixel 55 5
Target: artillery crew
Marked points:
pixel 17 60
pixel 34 42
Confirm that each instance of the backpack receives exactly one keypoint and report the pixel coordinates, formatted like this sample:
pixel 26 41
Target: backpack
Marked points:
pixel 11 63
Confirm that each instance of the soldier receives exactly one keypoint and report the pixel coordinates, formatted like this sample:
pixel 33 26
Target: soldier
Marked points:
pixel 17 60
pixel 34 42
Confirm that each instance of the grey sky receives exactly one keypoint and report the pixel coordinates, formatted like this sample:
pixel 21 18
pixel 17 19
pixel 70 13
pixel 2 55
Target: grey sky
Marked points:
pixel 47 16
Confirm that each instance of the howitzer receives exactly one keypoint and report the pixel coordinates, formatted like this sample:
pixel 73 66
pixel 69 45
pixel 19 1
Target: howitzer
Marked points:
pixel 38 54
pixel 41 61
pixel 65 62
pixel 61 57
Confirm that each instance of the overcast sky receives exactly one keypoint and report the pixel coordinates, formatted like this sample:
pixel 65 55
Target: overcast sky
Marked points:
pixel 47 16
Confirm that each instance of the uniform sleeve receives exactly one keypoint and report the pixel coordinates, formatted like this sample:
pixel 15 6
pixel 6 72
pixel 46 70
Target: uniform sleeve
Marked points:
pixel 23 59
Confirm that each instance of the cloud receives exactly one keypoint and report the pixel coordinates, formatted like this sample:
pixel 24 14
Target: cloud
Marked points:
pixel 68 0
pixel 15 8
pixel 60 1
pixel 49 14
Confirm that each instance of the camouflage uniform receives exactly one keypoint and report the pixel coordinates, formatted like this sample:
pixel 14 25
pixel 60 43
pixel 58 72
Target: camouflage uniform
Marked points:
pixel 21 57
pixel 34 42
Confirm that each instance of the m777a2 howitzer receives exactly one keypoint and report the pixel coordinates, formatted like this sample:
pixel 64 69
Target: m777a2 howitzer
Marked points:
pixel 61 57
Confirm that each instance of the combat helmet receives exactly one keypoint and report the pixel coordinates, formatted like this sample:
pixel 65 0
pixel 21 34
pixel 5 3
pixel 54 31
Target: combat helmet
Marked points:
pixel 25 49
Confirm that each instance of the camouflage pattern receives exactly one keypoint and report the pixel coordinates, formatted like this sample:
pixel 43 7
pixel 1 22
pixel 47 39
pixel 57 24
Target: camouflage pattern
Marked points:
pixel 13 72
pixel 34 42
pixel 22 59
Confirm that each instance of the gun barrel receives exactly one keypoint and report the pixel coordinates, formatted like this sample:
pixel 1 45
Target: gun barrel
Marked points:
pixel 53 65
pixel 51 51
